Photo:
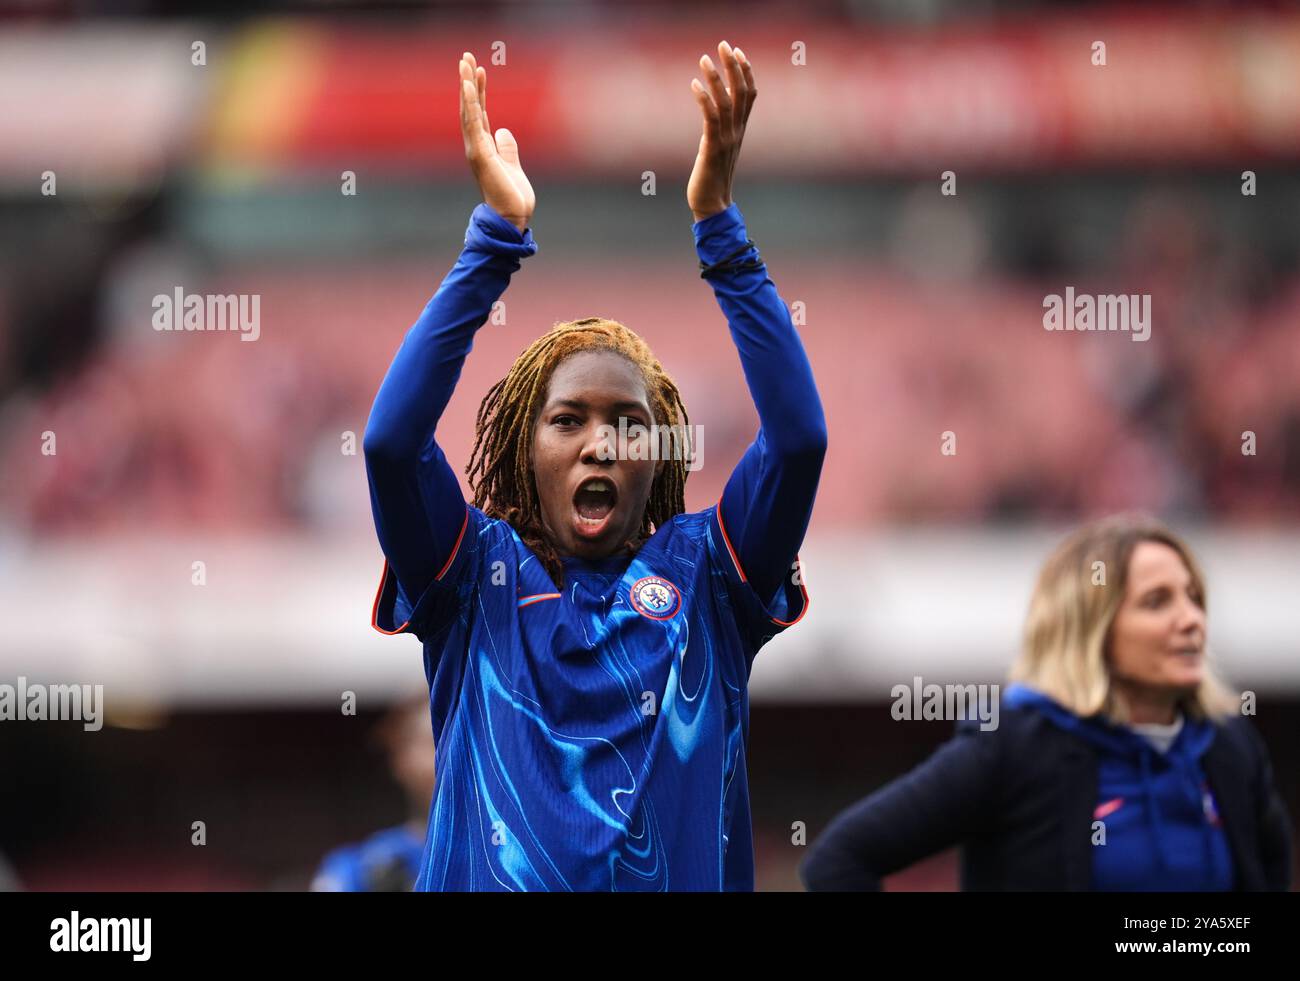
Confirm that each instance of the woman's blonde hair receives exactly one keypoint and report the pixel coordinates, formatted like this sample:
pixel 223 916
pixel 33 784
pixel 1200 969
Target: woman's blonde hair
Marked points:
pixel 1078 594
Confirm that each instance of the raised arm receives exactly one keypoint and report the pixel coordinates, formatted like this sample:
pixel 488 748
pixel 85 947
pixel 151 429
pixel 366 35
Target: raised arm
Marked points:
pixel 414 493
pixel 768 500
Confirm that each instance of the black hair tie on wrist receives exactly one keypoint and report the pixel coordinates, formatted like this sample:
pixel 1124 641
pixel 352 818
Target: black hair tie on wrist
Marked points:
pixel 727 264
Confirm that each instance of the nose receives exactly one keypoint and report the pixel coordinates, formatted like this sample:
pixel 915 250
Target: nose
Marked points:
pixel 1191 618
pixel 598 447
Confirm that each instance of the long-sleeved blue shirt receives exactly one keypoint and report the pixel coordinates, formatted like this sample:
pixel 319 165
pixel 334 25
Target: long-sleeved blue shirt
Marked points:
pixel 580 745
pixel 1163 831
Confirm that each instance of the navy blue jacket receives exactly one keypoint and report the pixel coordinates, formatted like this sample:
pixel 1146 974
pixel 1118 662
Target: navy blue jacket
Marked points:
pixel 1020 801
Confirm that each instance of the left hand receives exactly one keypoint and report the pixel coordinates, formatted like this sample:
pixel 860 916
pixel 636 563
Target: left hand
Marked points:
pixel 725 113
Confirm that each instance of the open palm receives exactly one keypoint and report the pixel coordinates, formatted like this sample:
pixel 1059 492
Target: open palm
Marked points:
pixel 725 111
pixel 494 162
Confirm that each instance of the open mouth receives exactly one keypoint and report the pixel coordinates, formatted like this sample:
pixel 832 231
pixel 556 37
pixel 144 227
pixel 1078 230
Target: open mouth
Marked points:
pixel 593 503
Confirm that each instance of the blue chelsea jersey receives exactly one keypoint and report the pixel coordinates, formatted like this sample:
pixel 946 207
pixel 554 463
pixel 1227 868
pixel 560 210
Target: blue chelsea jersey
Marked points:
pixel 591 737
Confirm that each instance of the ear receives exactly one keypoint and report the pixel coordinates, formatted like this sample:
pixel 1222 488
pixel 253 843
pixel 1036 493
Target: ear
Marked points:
pixel 659 468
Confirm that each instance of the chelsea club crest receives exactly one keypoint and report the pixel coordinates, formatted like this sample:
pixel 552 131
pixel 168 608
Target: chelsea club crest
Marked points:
pixel 656 598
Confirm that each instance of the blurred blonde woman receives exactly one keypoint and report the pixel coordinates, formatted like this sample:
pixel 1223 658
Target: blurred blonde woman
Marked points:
pixel 1120 762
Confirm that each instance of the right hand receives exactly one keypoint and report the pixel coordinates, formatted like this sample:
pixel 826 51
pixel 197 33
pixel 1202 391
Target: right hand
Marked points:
pixel 495 164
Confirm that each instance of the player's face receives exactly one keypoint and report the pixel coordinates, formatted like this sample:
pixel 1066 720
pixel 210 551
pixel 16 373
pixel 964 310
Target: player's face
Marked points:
pixel 592 486
pixel 1158 638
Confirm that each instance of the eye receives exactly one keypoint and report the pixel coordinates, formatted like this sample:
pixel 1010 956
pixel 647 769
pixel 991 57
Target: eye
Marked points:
pixel 561 420
pixel 1156 599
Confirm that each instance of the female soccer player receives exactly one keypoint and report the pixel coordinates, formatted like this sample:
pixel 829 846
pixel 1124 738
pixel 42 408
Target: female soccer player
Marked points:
pixel 1120 763
pixel 586 643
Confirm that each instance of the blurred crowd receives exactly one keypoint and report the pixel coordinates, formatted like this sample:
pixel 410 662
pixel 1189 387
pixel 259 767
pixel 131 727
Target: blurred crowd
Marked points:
pixel 935 332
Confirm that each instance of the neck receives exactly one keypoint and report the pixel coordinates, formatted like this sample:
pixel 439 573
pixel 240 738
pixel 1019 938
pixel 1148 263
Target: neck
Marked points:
pixel 612 557
pixel 624 551
pixel 1146 706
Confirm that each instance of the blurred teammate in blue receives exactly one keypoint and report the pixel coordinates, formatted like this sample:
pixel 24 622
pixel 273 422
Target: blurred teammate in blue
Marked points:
pixel 587 643
pixel 1119 763
pixel 389 860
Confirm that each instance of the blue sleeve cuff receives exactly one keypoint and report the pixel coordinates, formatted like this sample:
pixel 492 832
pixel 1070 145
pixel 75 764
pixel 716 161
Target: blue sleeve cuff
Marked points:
pixel 720 235
pixel 489 232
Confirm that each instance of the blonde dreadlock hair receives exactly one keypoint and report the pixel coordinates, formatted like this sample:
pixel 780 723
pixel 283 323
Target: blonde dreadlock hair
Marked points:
pixel 500 470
